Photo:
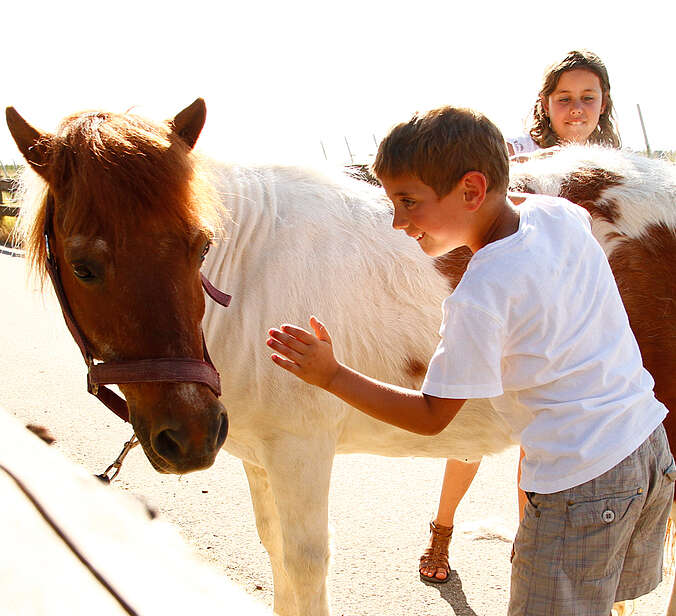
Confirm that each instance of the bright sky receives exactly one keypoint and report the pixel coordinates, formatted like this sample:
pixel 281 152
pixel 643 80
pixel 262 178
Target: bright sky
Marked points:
pixel 280 78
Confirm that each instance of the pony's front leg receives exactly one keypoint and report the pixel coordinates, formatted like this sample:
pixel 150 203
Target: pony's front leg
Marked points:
pixel 300 475
pixel 270 533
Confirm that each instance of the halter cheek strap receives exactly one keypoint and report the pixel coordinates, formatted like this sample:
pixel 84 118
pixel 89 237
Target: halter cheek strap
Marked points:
pixel 163 369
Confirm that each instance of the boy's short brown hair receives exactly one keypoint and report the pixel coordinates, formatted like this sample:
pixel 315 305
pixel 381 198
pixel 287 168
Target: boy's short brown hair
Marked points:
pixel 441 145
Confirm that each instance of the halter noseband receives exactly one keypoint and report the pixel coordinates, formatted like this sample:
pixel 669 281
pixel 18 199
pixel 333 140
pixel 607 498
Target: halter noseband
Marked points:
pixel 164 369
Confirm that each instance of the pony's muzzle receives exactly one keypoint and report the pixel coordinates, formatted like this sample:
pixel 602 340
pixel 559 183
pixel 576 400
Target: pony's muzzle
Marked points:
pixel 185 447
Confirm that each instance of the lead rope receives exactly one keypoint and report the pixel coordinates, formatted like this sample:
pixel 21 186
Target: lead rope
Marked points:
pixel 117 465
pixel 62 535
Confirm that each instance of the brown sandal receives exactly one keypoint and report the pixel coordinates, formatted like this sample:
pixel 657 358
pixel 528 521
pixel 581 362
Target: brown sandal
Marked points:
pixel 436 555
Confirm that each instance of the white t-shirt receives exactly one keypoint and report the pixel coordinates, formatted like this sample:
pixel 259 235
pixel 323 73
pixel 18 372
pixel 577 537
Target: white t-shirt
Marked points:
pixel 537 325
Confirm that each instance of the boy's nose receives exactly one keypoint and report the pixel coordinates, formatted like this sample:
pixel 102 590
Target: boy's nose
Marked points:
pixel 399 219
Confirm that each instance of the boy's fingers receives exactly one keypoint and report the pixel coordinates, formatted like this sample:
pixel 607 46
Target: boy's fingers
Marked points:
pixel 285 350
pixel 320 329
pixel 285 363
pixel 291 341
pixel 298 332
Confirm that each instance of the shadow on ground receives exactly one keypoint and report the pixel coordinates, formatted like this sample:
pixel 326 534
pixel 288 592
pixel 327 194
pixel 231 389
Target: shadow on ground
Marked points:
pixel 454 595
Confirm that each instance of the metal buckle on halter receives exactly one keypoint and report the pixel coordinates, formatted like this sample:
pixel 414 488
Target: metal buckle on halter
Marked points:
pixel 92 388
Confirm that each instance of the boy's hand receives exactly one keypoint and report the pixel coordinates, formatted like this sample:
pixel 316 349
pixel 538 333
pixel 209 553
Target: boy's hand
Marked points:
pixel 308 357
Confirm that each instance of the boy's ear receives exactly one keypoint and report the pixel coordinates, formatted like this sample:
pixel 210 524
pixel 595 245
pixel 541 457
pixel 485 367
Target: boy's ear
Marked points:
pixel 475 186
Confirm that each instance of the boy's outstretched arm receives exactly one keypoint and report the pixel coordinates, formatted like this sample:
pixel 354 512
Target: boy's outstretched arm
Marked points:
pixel 310 357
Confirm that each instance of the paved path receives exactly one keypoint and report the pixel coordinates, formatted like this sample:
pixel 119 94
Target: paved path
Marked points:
pixel 379 509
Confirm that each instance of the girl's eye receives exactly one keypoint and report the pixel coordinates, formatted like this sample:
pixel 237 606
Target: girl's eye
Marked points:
pixel 563 100
pixel 408 203
pixel 83 272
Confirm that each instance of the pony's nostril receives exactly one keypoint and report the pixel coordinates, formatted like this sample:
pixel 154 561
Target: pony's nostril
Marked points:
pixel 167 444
pixel 222 430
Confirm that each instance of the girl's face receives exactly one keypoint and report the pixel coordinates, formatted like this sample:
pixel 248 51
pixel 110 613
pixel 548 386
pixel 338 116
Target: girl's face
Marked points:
pixel 575 106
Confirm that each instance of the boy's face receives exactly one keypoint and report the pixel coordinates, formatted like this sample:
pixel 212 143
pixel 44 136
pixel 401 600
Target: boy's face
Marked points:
pixel 439 225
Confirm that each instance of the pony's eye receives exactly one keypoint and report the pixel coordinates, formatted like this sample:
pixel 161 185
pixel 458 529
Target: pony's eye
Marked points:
pixel 83 272
pixel 205 250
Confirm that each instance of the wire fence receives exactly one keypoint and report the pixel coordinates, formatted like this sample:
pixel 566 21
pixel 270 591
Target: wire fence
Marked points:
pixel 8 205
pixel 9 169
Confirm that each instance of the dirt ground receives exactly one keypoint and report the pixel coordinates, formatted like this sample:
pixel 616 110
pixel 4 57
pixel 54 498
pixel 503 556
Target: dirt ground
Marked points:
pixel 379 507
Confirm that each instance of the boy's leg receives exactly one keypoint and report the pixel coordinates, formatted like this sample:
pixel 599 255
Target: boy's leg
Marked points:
pixel 458 477
pixel 571 547
pixel 643 563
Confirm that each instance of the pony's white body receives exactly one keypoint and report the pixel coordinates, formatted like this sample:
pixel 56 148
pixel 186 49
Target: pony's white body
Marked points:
pixel 303 242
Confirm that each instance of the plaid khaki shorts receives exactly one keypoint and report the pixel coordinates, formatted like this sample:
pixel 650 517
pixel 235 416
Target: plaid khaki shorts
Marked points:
pixel 579 550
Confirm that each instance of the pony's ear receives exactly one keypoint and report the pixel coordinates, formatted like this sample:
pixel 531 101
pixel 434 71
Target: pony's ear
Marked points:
pixel 31 142
pixel 188 123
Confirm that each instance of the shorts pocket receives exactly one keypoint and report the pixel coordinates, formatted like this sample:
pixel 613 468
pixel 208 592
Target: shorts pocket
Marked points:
pixel 598 532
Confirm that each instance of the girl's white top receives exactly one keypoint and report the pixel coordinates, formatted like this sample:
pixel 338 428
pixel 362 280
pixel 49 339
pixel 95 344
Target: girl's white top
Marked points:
pixel 537 325
pixel 522 144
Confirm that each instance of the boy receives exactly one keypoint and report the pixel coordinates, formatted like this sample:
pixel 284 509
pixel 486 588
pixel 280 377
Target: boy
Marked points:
pixel 537 325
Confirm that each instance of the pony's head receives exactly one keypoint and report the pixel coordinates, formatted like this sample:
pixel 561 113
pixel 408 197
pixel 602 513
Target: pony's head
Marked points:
pixel 131 219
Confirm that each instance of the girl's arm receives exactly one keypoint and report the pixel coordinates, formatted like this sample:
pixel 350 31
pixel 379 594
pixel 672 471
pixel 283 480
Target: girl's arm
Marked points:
pixel 310 358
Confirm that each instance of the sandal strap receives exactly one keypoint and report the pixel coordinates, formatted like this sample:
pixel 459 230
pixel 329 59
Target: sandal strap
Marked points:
pixel 437 554
pixel 440 530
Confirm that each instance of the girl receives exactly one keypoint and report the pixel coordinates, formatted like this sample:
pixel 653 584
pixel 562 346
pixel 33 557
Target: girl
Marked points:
pixel 573 107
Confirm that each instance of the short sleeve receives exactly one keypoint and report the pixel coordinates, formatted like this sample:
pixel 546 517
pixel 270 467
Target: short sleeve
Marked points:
pixel 581 214
pixel 467 361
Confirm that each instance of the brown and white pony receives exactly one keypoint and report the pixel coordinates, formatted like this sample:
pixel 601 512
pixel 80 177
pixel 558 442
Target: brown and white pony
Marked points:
pixel 131 225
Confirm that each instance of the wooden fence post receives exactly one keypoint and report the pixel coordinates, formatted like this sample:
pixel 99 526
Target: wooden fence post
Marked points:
pixel 645 135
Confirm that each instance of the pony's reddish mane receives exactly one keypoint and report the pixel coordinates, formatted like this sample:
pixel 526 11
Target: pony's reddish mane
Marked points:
pixel 110 173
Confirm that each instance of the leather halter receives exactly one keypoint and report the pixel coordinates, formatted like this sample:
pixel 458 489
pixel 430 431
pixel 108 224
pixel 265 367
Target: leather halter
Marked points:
pixel 163 369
